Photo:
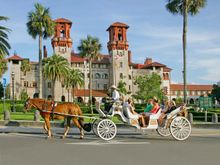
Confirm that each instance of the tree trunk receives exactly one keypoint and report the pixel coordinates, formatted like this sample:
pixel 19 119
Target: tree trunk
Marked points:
pixel 90 85
pixel 185 15
pixel 40 68
pixel 53 89
pixel 73 94
pixel 68 95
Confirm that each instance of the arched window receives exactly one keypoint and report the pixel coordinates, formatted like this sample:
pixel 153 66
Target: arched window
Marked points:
pixel 63 98
pixel 104 75
pixel 49 97
pixel 97 76
pixel 36 95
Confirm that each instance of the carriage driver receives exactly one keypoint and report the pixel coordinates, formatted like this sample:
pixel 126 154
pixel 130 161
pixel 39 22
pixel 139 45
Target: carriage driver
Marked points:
pixel 115 96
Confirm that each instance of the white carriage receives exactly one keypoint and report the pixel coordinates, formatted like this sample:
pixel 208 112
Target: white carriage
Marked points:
pixel 175 123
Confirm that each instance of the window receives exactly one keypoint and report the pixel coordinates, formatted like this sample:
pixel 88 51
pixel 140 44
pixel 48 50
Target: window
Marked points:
pixel 105 87
pixel 15 62
pixel 105 76
pixel 25 83
pixel 34 84
pixel 97 76
pixel 120 37
pixel 129 77
pixel 49 84
pixel 121 64
pixel 121 75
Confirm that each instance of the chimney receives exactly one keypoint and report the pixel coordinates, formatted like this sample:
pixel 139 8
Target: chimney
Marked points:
pixel 148 61
pixel 45 51
pixel 129 57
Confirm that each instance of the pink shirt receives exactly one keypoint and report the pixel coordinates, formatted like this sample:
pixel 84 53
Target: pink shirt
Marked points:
pixel 155 109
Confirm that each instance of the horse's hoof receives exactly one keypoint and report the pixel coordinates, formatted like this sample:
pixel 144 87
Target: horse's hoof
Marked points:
pixel 81 137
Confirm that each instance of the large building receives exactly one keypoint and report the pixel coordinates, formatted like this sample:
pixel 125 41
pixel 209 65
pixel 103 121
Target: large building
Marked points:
pixel 109 69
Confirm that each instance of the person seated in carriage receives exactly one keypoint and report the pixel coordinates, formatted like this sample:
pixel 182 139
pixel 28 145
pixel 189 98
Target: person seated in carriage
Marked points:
pixel 154 110
pixel 114 96
pixel 170 105
pixel 134 115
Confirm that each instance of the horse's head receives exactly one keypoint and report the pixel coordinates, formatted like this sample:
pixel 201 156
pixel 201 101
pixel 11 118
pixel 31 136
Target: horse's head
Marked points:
pixel 27 105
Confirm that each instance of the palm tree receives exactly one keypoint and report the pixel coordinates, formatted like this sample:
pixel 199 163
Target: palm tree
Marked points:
pixel 3 67
pixel 90 48
pixel 25 66
pixel 4 45
pixel 73 80
pixel 40 24
pixel 185 7
pixel 55 68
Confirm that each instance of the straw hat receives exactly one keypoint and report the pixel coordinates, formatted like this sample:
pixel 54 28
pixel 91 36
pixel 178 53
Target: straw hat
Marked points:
pixel 113 87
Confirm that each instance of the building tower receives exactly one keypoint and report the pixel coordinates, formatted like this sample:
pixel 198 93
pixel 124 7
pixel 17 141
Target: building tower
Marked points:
pixel 119 55
pixel 61 42
pixel 62 45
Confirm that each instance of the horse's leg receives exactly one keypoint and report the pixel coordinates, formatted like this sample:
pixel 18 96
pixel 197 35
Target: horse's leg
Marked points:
pixel 67 127
pixel 76 122
pixel 47 122
pixel 45 128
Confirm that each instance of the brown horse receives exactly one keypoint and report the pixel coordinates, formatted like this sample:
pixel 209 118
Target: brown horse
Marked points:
pixel 59 112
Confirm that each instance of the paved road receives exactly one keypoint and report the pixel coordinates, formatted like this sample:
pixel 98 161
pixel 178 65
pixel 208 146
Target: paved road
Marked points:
pixel 128 148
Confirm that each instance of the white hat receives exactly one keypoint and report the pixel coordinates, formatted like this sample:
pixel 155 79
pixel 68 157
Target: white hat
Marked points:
pixel 113 86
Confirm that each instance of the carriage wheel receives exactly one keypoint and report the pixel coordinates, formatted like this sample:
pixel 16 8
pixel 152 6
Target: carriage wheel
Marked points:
pixel 163 131
pixel 94 126
pixel 180 128
pixel 106 129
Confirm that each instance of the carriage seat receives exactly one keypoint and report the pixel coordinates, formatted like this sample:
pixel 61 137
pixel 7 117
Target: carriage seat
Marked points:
pixel 156 115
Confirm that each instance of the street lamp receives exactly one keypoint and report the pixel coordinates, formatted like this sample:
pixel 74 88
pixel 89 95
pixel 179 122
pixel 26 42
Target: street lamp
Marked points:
pixel 13 90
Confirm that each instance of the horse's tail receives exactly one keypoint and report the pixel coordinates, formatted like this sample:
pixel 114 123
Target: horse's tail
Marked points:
pixel 87 127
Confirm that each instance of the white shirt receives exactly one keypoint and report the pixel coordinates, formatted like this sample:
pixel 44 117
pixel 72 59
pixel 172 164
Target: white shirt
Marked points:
pixel 115 95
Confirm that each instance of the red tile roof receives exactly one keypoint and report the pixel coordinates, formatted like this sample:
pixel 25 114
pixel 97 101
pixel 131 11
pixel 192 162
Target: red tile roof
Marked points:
pixel 95 93
pixel 76 58
pixel 15 57
pixel 191 87
pixel 63 20
pixel 154 64
pixel 118 24
pixel 166 69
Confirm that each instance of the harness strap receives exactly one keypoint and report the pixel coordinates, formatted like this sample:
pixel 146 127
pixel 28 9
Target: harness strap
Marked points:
pixel 53 107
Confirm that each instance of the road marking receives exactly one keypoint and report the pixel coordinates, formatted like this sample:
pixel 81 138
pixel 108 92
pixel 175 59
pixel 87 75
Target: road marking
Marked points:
pixel 112 142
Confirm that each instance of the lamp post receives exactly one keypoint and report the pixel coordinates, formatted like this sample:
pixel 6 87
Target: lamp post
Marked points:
pixel 13 91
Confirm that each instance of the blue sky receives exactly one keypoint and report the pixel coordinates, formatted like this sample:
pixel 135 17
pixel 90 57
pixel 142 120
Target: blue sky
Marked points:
pixel 153 32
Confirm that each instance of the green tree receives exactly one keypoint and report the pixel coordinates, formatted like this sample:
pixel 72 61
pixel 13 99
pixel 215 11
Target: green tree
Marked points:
pixel 73 80
pixel 90 48
pixel 55 68
pixel 1 90
pixel 7 91
pixel 4 45
pixel 148 87
pixel 40 24
pixel 122 87
pixel 3 67
pixel 185 7
pixel 216 92
pixel 24 95
pixel 25 66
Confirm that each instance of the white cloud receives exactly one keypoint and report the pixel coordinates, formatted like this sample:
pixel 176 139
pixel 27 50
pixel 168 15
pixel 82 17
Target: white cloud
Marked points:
pixel 209 67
